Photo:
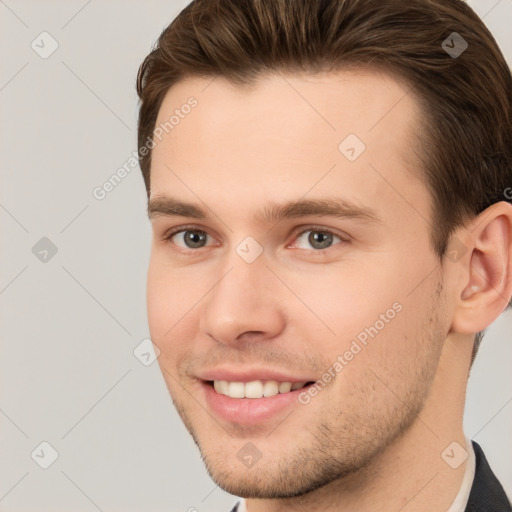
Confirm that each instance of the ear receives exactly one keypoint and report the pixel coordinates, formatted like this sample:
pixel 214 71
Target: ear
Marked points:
pixel 484 279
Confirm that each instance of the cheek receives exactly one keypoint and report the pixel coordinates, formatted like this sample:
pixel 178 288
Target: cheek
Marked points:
pixel 368 315
pixel 159 300
pixel 347 301
pixel 170 299
pixel 171 318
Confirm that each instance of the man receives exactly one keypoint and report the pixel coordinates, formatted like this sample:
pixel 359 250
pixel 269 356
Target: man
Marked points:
pixel 332 233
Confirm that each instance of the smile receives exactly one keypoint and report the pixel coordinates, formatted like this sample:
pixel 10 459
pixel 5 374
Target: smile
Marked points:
pixel 255 388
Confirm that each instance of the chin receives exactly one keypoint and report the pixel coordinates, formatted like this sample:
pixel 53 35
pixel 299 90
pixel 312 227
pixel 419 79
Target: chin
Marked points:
pixel 278 477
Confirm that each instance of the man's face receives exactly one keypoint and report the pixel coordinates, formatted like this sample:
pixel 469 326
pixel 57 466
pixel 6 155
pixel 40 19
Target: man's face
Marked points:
pixel 259 290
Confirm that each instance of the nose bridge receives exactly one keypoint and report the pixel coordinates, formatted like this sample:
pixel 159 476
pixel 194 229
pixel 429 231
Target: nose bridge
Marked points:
pixel 241 286
pixel 245 273
pixel 241 300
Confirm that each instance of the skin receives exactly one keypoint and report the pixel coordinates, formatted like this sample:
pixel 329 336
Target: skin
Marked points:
pixel 373 438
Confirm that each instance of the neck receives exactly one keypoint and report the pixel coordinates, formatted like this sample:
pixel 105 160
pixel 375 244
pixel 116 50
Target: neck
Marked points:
pixel 409 475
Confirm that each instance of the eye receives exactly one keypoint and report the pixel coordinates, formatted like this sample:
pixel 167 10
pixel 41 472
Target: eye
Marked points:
pixel 317 239
pixel 189 238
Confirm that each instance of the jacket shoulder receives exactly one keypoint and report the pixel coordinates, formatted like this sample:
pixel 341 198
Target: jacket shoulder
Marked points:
pixel 487 493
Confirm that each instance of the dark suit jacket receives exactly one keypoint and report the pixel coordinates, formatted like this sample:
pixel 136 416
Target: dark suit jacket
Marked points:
pixel 487 494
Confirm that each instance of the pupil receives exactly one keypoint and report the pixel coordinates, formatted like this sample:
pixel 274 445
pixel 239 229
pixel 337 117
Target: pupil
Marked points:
pixel 194 239
pixel 320 240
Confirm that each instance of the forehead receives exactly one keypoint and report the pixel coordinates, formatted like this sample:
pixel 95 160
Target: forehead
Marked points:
pixel 326 104
pixel 289 135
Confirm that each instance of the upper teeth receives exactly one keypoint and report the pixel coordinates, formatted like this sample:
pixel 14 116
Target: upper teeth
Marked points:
pixel 255 389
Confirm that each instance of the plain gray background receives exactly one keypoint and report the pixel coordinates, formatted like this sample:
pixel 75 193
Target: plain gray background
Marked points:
pixel 70 323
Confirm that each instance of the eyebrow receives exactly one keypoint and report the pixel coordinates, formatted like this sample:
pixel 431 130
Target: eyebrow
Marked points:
pixel 271 213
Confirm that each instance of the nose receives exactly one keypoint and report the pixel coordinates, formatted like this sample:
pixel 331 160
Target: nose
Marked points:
pixel 244 305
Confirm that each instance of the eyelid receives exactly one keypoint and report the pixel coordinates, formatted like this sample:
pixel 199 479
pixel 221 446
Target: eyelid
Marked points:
pixel 169 233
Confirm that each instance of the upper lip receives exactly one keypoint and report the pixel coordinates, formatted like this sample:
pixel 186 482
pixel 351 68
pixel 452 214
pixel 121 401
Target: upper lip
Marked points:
pixel 249 375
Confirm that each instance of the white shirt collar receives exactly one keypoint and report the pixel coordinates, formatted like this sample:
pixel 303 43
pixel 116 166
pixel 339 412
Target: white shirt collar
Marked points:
pixel 241 506
pixel 461 500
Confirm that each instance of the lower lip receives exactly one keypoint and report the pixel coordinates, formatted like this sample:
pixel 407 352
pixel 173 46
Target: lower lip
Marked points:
pixel 248 410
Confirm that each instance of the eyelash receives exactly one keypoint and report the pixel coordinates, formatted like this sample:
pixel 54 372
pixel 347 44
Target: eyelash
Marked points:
pixel 167 237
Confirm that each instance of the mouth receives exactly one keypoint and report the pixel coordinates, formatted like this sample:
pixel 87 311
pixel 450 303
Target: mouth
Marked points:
pixel 251 396
pixel 255 389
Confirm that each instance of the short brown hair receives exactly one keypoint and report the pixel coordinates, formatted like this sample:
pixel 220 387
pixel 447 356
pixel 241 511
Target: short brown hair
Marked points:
pixel 465 143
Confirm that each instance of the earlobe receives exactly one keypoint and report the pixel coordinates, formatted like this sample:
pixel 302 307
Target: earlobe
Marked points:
pixel 485 282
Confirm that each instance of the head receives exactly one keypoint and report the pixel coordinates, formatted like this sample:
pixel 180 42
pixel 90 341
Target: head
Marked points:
pixel 328 192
